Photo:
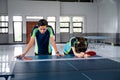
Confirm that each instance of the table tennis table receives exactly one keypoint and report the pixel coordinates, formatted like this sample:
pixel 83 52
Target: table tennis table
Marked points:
pixel 98 41
pixel 50 67
pixel 6 69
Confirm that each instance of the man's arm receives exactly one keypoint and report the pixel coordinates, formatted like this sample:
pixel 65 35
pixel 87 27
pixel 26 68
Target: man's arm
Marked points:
pixel 52 40
pixel 29 45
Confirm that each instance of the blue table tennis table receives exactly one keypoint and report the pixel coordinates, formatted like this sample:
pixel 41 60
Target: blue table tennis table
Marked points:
pixel 6 69
pixel 66 68
pixel 98 41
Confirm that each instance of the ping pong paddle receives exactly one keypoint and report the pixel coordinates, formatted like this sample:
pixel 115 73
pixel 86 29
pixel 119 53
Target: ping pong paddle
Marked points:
pixel 91 53
pixel 26 58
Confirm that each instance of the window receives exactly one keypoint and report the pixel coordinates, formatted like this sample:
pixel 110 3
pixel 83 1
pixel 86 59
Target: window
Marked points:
pixel 52 22
pixel 52 18
pixel 34 18
pixel 64 24
pixel 77 24
pixel 3 24
pixel 17 28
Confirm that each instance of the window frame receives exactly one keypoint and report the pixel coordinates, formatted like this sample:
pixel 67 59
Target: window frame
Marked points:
pixel 61 27
pixel 6 27
pixel 78 27
pixel 21 31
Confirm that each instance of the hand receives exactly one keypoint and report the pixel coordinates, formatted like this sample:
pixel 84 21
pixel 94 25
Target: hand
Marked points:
pixel 58 54
pixel 80 55
pixel 21 56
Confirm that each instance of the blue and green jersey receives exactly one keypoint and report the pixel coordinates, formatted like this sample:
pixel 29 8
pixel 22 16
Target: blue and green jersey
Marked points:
pixel 68 46
pixel 73 41
pixel 42 41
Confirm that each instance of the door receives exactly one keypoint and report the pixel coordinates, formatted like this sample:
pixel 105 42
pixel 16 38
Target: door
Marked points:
pixel 29 28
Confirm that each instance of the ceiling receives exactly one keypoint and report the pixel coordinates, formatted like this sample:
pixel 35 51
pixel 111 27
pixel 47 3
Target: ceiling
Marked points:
pixel 66 0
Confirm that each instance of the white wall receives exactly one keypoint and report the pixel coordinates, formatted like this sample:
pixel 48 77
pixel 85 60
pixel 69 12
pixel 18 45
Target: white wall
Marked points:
pixel 108 16
pixel 54 8
pixel 3 7
pixel 25 8
pixel 87 10
pixel 100 16
pixel 118 16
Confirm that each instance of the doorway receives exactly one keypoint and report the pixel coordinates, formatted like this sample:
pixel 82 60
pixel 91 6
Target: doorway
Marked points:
pixel 29 28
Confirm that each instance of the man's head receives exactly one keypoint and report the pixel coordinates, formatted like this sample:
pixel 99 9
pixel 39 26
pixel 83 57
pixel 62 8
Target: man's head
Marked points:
pixel 42 25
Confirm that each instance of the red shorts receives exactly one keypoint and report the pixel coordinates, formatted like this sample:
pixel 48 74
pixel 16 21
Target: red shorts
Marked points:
pixel 91 53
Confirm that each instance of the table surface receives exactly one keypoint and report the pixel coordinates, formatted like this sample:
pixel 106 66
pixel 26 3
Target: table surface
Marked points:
pixel 98 37
pixel 66 68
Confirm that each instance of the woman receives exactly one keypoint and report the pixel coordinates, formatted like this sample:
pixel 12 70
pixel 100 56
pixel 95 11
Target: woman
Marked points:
pixel 77 46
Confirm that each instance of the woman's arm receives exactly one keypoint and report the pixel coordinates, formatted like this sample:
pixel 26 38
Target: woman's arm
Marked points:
pixel 81 54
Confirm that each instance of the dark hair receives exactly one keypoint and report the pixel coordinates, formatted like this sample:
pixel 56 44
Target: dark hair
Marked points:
pixel 42 22
pixel 82 45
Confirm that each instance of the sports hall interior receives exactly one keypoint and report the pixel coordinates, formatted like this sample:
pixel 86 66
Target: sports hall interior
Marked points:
pixel 99 20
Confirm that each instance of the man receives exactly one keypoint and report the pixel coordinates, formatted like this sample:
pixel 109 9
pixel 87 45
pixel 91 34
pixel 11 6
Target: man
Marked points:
pixel 48 27
pixel 42 37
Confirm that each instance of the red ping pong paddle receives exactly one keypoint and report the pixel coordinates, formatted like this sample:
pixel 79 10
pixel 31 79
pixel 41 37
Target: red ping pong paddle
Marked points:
pixel 26 58
pixel 91 53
